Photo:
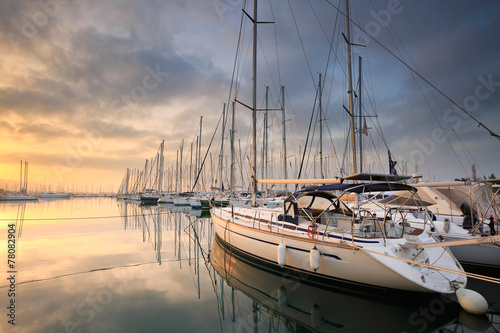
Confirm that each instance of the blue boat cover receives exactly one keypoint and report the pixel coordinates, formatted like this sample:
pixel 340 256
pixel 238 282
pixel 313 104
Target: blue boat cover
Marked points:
pixel 361 187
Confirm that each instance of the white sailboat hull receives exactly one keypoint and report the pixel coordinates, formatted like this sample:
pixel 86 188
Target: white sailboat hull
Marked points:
pixel 483 254
pixel 18 197
pixel 339 260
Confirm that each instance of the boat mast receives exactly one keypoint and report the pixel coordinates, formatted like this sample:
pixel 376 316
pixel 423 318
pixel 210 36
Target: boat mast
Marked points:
pixel 26 177
pixel 350 92
pixel 265 133
pixel 180 167
pixel 231 173
pixel 21 178
pixel 222 146
pixel 266 124
pixel 177 172
pixel 191 165
pixel 321 175
pixel 284 132
pixel 127 176
pixel 160 176
pixel 254 105
pixel 360 124
pixel 198 168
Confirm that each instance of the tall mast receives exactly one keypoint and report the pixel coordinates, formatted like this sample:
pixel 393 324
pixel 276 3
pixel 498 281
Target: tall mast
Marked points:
pixel 222 145
pixel 321 175
pixel 157 172
pixel 21 178
pixel 265 133
pixel 360 128
pixel 241 164
pixel 195 169
pixel 177 172
pixel 254 105
pixel 231 173
pixel 191 165
pixel 350 92
pixel 127 176
pixel 180 167
pixel 285 174
pixel 145 180
pixel 198 170
pixel 26 177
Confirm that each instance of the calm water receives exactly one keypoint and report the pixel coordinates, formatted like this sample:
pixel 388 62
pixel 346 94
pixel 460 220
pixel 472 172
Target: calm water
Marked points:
pixel 99 265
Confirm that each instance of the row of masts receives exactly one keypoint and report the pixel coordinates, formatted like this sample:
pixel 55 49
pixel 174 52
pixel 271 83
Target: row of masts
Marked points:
pixel 254 104
pixel 142 181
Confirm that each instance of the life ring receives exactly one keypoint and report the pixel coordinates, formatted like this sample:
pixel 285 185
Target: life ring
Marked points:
pixel 312 230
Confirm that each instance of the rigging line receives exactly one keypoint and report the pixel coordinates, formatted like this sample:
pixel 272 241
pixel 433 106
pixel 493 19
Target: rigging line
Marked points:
pixel 302 44
pixel 307 139
pixel 423 95
pixel 331 49
pixel 335 159
pixel 276 42
pixel 268 69
pixel 238 46
pixel 91 271
pixel 420 76
pixel 206 153
pixel 346 151
pixel 85 217
pixel 312 140
pixel 330 41
pixel 441 109
pixel 234 83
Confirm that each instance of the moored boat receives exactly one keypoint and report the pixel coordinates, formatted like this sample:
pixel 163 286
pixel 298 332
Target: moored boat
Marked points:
pixel 315 232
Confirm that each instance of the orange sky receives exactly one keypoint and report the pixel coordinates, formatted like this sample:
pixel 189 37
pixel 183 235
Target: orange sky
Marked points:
pixel 89 89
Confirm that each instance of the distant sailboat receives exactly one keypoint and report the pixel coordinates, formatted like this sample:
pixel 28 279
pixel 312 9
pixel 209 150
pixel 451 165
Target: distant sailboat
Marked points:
pixel 54 195
pixel 23 188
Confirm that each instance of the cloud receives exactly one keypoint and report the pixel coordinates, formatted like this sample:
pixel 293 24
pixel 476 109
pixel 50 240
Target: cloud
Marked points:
pixel 151 69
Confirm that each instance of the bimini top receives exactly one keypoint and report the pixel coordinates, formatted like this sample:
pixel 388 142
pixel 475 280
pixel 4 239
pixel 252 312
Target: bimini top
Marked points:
pixel 361 187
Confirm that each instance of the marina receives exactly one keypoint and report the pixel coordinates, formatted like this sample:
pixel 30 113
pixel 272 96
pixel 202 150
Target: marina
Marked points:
pixel 255 166
pixel 103 265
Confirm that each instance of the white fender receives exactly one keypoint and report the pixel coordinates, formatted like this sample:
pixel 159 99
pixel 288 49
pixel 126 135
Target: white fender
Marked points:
pixel 282 254
pixel 316 316
pixel 282 298
pixel 472 301
pixel 314 257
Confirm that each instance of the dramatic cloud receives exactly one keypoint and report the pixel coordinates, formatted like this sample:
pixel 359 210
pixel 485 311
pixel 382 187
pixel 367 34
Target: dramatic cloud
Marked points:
pixel 110 80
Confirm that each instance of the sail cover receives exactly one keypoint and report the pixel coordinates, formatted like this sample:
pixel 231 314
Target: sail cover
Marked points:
pixel 362 187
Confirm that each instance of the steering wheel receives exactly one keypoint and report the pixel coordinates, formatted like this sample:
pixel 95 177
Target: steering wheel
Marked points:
pixel 363 213
pixel 394 223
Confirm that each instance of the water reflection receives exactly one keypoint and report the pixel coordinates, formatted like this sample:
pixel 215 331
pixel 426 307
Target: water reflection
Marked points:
pixel 98 265
pixel 283 301
pixel 181 228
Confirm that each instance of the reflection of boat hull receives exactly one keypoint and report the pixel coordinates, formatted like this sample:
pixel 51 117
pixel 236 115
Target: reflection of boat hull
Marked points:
pixel 181 201
pixel 325 307
pixel 149 200
pixel 18 198
pixel 15 197
pixel 53 195
pixel 220 203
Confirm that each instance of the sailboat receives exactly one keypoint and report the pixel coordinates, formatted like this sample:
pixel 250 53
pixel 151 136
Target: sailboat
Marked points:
pixel 316 307
pixel 316 233
pixel 466 230
pixel 23 188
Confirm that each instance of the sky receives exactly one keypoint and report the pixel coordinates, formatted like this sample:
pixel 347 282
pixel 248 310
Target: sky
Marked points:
pixel 91 88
